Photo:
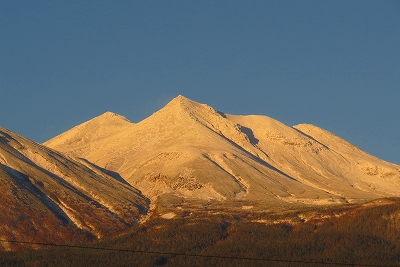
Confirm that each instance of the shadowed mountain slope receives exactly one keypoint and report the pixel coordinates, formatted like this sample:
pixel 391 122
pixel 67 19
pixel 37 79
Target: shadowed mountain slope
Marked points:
pixel 47 197
pixel 193 151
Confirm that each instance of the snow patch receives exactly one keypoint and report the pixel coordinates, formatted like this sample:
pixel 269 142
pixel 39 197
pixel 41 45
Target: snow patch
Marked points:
pixel 169 215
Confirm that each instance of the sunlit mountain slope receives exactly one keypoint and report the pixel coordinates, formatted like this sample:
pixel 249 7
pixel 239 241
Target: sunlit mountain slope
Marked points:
pixel 193 151
pixel 48 197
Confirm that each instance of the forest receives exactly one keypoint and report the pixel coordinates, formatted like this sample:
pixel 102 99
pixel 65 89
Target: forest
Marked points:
pixel 360 235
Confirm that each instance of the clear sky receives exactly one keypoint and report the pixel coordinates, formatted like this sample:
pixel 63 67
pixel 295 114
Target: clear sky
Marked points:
pixel 334 64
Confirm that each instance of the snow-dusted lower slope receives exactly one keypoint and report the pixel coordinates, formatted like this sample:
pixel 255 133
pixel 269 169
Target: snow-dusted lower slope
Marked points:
pixel 193 151
pixel 49 197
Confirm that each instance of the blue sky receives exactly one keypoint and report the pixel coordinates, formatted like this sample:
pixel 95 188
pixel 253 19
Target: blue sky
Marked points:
pixel 334 64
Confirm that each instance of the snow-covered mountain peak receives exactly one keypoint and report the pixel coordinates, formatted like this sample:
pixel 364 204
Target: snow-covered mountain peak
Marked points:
pixel 96 128
pixel 181 104
pixel 111 116
pixel 191 150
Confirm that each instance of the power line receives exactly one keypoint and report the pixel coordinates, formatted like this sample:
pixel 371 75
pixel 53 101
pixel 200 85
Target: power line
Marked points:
pixel 198 255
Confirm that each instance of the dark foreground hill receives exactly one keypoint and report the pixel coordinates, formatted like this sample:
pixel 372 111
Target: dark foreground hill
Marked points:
pixel 363 235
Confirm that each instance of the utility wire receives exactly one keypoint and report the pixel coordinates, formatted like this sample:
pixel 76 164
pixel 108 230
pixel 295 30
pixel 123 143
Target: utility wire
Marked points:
pixel 198 255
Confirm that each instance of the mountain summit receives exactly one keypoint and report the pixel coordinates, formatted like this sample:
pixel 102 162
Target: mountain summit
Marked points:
pixel 191 151
pixel 97 128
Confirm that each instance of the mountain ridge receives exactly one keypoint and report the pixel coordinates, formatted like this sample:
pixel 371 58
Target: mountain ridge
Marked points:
pixel 191 150
pixel 103 125
pixel 48 196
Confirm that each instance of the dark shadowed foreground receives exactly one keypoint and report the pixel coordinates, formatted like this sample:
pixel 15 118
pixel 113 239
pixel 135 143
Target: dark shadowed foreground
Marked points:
pixel 364 235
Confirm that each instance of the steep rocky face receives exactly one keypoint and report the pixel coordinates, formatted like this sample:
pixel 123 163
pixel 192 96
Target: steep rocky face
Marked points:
pixel 193 151
pixel 48 197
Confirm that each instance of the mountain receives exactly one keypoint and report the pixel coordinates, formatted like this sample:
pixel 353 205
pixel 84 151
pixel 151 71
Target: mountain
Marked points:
pixel 98 128
pixel 191 151
pixel 47 197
